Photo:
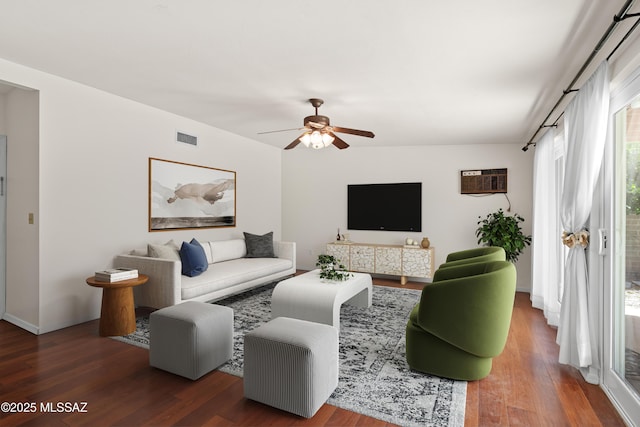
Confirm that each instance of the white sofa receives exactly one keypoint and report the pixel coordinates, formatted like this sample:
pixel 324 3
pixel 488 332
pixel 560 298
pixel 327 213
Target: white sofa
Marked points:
pixel 228 273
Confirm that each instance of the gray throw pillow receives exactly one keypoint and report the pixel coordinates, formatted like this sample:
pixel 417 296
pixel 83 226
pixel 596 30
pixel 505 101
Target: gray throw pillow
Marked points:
pixel 259 246
pixel 167 251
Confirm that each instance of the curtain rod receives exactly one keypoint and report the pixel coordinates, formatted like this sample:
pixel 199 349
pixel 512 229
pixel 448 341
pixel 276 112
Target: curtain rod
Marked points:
pixel 619 17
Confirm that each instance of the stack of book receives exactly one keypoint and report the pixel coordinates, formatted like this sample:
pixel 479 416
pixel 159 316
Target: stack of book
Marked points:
pixel 116 274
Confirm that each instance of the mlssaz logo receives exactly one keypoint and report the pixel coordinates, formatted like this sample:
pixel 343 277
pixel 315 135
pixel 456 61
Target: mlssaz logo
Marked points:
pixel 68 407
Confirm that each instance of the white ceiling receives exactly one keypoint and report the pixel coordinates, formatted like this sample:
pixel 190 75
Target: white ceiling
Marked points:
pixel 413 71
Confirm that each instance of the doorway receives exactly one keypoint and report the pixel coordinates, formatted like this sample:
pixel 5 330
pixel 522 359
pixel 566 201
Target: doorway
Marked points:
pixel 3 223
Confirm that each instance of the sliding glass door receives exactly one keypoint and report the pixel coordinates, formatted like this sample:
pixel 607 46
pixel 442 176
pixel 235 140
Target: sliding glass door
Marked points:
pixel 627 267
pixel 622 265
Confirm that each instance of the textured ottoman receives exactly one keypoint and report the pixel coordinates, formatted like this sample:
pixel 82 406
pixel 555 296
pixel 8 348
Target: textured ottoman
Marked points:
pixel 291 364
pixel 190 339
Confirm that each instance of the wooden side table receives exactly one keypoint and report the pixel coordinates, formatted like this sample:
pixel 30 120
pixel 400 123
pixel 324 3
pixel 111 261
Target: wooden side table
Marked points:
pixel 117 316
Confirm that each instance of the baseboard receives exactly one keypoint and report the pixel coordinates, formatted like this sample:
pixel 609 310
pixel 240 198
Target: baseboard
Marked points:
pixel 21 323
pixel 397 277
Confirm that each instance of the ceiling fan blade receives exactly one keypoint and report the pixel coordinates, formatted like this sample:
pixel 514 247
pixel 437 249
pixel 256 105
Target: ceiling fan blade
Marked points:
pixel 316 125
pixel 339 142
pixel 281 130
pixel 354 131
pixel 294 143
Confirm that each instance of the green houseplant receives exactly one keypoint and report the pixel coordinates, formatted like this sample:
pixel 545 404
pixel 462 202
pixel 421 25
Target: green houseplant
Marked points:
pixel 331 269
pixel 498 229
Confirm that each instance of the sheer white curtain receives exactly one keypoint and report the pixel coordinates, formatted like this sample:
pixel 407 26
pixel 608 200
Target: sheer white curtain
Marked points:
pixel 585 122
pixel 546 256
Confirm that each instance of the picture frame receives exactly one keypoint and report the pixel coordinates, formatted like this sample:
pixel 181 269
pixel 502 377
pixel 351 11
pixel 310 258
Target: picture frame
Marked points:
pixel 186 196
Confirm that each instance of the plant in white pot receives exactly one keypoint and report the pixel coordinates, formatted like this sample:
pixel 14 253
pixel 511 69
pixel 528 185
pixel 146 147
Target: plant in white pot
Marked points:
pixel 498 229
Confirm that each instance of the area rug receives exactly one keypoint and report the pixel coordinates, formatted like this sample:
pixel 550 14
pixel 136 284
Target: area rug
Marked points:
pixel 375 379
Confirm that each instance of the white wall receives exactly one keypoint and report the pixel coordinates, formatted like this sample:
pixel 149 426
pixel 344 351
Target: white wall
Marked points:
pixel 93 174
pixel 315 183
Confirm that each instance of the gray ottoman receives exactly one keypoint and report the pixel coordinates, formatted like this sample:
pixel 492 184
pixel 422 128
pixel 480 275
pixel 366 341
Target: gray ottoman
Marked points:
pixel 190 339
pixel 291 364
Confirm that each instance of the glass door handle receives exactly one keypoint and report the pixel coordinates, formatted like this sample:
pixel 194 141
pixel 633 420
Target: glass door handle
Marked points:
pixel 602 244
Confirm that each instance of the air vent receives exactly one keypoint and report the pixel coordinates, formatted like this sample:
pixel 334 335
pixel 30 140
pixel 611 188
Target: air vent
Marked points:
pixel 187 139
pixel 483 181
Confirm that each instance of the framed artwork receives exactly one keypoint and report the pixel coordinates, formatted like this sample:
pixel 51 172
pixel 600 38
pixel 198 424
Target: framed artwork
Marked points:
pixel 184 196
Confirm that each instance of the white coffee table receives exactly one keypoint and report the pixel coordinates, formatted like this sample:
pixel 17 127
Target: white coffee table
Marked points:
pixel 307 297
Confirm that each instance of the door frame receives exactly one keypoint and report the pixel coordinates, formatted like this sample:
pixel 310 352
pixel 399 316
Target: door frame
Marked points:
pixel 3 225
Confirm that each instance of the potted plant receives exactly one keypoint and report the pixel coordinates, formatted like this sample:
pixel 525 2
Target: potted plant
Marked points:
pixel 498 229
pixel 331 269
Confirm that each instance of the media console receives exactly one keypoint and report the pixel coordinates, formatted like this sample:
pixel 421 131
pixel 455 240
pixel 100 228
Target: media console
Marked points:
pixel 396 260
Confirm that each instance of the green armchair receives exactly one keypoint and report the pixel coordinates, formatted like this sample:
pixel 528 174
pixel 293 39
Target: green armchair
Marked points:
pixel 462 321
pixel 483 254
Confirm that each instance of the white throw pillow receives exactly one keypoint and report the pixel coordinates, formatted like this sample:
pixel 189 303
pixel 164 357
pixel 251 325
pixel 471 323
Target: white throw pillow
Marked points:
pixel 167 251
pixel 207 251
pixel 139 252
pixel 227 249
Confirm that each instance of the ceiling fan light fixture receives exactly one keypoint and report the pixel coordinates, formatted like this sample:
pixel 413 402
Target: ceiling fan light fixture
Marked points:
pixel 305 139
pixel 327 139
pixel 319 133
pixel 317 140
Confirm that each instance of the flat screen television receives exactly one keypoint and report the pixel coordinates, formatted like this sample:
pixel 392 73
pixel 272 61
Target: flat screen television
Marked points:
pixel 389 207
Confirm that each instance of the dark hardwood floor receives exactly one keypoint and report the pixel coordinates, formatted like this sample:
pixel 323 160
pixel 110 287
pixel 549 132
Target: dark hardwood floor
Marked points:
pixel 75 366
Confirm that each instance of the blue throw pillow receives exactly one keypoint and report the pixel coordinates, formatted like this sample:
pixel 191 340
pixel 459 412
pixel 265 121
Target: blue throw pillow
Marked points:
pixel 194 260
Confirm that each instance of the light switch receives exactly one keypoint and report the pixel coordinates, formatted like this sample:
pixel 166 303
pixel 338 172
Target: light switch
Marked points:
pixel 30 217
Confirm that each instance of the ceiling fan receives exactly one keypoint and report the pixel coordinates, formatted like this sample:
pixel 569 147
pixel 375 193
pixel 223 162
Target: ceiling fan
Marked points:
pixel 319 133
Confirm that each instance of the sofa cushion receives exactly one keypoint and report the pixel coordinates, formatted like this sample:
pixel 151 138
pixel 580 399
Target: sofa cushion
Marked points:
pixel 229 273
pixel 194 260
pixel 227 249
pixel 167 251
pixel 259 246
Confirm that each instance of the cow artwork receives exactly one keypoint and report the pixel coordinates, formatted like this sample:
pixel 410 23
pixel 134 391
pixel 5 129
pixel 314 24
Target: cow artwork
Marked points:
pixel 182 196
pixel 202 193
